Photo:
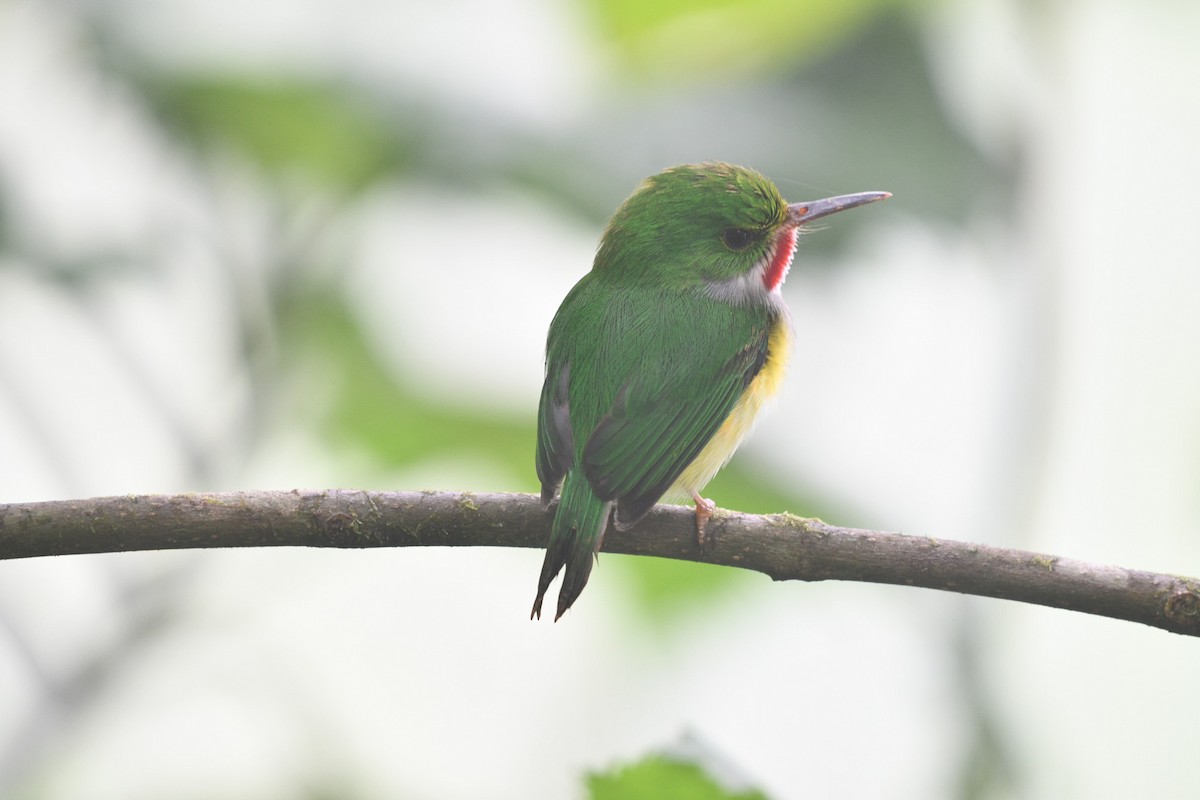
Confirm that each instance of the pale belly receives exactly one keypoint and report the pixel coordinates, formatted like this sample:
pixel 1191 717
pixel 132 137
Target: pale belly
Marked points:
pixel 739 422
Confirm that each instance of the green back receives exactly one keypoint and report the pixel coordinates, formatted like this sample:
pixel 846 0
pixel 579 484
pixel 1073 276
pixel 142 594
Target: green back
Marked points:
pixel 649 376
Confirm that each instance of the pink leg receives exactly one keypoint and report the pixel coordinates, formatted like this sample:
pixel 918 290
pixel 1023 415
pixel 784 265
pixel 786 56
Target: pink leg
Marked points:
pixel 704 510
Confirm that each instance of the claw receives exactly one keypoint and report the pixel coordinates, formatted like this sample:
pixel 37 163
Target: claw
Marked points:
pixel 704 510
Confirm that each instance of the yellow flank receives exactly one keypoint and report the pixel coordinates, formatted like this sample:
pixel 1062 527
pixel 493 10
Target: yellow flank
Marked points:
pixel 739 422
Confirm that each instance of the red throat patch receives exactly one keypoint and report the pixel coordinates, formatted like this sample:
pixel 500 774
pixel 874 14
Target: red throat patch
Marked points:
pixel 781 260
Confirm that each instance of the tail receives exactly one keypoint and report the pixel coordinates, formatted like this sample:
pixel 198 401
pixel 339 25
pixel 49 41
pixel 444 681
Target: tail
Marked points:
pixel 575 538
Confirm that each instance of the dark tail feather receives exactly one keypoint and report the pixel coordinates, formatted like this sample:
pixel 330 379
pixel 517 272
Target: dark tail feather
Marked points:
pixel 556 556
pixel 575 538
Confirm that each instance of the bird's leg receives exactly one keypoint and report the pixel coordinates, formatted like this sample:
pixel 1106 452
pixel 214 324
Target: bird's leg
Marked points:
pixel 704 510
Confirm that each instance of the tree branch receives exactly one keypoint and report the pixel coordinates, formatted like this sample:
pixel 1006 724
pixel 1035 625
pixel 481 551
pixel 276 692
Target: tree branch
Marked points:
pixel 782 546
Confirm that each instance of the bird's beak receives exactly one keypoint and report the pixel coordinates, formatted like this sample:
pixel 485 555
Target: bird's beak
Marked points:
pixel 799 213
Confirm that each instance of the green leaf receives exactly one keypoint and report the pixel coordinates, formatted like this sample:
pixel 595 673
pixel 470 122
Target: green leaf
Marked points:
pixel 660 776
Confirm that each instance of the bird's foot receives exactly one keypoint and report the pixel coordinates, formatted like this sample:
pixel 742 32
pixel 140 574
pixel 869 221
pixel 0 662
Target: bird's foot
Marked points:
pixel 704 510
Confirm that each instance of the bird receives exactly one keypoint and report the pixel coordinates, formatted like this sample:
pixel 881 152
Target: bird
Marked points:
pixel 659 359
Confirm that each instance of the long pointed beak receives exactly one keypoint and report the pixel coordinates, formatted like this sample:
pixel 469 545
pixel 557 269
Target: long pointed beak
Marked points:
pixel 799 213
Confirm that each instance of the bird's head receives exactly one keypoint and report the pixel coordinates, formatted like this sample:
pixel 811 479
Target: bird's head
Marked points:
pixel 713 225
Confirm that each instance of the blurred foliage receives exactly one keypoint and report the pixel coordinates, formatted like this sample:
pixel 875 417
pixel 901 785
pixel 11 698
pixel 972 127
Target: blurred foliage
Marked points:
pixel 660 776
pixel 679 39
pixel 858 111
pixel 375 411
pixel 332 135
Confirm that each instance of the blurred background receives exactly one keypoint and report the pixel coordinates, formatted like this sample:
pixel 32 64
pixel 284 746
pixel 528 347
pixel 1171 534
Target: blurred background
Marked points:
pixel 276 245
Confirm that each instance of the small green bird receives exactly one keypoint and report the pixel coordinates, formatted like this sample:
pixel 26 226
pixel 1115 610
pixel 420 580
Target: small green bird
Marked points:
pixel 660 358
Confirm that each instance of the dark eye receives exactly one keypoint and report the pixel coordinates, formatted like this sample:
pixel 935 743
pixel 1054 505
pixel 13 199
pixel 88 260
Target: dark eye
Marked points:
pixel 737 238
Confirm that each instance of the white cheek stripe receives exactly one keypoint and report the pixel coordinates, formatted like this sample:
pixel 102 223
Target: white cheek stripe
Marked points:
pixel 747 288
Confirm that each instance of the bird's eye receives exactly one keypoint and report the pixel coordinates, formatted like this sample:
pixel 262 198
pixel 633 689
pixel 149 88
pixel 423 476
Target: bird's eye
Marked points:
pixel 737 238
